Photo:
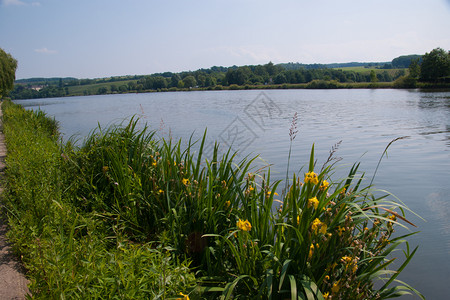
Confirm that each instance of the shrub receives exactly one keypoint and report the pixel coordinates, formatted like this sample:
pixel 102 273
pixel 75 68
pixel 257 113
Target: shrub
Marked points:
pixel 323 84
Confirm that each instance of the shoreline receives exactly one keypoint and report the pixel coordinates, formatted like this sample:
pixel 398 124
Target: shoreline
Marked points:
pixel 301 86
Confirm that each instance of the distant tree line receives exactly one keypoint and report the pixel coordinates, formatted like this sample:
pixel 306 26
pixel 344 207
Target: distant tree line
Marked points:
pixel 252 75
pixel 431 67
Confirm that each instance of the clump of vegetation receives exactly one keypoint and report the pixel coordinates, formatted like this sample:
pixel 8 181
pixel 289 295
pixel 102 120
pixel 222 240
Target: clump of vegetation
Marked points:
pixel 128 216
pixel 430 70
pixel 70 253
pixel 8 66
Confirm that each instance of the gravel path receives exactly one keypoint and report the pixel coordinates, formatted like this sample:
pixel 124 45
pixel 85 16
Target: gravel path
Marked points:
pixel 13 283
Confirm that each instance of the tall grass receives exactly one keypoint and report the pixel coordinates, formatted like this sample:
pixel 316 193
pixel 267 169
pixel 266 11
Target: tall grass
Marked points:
pixel 71 253
pixel 128 215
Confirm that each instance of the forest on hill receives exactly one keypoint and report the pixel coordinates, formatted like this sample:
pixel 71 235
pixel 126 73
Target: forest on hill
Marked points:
pixel 403 72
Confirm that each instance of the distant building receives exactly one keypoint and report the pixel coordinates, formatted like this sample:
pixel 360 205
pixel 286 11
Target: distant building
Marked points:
pixel 37 87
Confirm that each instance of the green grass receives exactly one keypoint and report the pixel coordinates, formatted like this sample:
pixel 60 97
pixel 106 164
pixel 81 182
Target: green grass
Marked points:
pixel 127 216
pixel 70 254
pixel 365 70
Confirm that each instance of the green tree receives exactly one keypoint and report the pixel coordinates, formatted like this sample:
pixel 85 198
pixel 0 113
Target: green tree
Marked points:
pixel 174 80
pixel 435 65
pixel 373 76
pixel 102 90
pixel 210 81
pixel 159 82
pixel 238 76
pixel 414 68
pixel 272 69
pixel 280 78
pixel 189 81
pixel 201 80
pixel 8 66
pixel 405 60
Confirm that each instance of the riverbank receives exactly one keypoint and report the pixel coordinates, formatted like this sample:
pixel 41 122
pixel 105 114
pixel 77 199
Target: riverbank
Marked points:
pixel 13 283
pixel 110 88
pixel 130 215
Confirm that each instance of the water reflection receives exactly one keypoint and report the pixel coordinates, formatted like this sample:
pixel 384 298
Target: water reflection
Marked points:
pixel 436 126
pixel 440 206
pixel 436 100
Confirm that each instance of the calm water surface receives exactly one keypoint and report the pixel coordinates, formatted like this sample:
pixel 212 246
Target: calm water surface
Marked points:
pixel 417 169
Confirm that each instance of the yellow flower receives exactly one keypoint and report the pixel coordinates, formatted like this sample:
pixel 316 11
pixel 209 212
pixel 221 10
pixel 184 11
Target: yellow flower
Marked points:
pixel 392 217
pixel 340 230
pixel 311 251
pixel 315 225
pixel 355 268
pixel 335 287
pixel 185 297
pixel 185 181
pixel 251 188
pixel 311 177
pixel 160 191
pixel 270 192
pixel 327 278
pixel 298 220
pixel 346 259
pixel 313 202
pixel 227 203
pixel 319 226
pixel 154 163
pixel 244 225
pixel 325 295
pixel 105 169
pixel 324 185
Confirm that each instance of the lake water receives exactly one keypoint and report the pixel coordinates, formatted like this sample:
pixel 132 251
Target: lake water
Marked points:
pixel 417 169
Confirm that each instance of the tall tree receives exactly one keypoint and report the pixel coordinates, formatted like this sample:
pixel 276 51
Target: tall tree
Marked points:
pixel 8 66
pixel 435 65
pixel 414 68
pixel 373 76
pixel 189 81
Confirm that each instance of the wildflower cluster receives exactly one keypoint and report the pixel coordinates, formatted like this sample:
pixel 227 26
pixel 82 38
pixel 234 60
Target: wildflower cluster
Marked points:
pixel 311 177
pixel 244 225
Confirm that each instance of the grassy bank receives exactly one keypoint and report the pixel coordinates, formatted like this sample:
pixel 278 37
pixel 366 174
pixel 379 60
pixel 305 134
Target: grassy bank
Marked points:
pixel 127 215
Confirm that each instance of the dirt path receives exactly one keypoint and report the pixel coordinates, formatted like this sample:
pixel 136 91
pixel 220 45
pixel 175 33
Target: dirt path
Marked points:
pixel 13 284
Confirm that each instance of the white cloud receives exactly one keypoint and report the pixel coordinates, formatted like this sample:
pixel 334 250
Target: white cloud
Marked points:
pixel 12 2
pixel 45 51
pixel 19 3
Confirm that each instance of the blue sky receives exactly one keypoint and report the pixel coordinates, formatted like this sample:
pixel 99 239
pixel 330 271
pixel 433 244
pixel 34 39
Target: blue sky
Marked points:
pixel 101 38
